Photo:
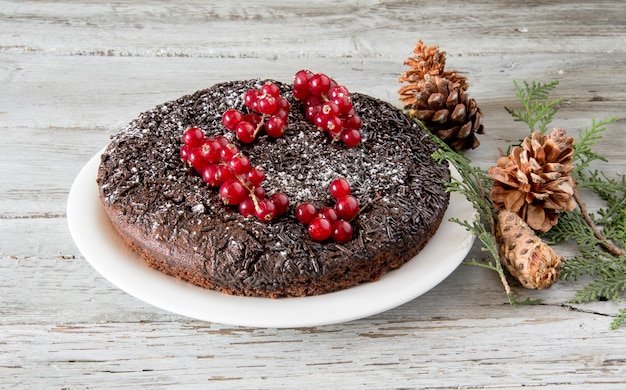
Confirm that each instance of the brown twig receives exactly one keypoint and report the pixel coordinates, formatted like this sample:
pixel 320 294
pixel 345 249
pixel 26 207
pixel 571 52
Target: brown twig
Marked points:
pixel 608 245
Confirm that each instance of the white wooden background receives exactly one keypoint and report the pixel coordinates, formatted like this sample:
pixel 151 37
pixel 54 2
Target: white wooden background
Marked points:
pixel 73 73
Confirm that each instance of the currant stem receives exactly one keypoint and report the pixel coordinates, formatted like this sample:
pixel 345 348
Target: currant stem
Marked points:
pixel 259 126
pixel 368 204
pixel 609 246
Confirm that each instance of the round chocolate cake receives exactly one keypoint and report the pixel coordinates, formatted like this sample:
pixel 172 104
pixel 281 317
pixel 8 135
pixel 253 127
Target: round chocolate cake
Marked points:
pixel 177 223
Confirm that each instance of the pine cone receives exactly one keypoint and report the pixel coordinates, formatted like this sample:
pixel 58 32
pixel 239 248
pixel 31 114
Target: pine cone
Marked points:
pixel 429 60
pixel 445 109
pixel 534 180
pixel 529 259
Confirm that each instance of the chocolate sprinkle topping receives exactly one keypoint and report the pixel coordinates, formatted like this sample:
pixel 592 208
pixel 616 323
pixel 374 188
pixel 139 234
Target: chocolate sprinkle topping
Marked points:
pixel 165 212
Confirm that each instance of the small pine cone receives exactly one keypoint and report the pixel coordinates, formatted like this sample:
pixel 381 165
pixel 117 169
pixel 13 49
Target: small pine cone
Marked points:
pixel 528 258
pixel 428 60
pixel 534 180
pixel 445 109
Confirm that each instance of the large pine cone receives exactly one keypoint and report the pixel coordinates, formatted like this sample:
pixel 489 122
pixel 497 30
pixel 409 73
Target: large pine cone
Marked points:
pixel 445 109
pixel 528 258
pixel 534 180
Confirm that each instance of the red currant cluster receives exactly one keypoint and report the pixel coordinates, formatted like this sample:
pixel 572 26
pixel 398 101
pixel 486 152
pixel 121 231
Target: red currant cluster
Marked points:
pixel 268 110
pixel 220 163
pixel 333 222
pixel 328 106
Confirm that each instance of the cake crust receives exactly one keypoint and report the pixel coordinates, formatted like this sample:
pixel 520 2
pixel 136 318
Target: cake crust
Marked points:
pixel 166 213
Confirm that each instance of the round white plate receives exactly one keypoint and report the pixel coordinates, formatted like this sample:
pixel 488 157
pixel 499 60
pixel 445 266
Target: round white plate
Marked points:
pixel 105 251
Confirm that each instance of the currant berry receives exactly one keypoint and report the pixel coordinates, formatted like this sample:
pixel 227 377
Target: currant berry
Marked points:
pixel 275 127
pixel 232 192
pixel 281 202
pixel 301 84
pixel 330 109
pixel 255 176
pixel 195 159
pixel 193 137
pixel 227 152
pixel 351 137
pixel 352 122
pixel 270 89
pixel 305 212
pixel 320 229
pixel 319 84
pixel 239 164
pixel 253 118
pixel 245 132
pixel 250 99
pixel 184 153
pixel 339 188
pixel 259 192
pixel 246 207
pixel 210 150
pixel 265 210
pixel 329 213
pixel 223 173
pixel 334 125
pixel 283 104
pixel 341 231
pixel 231 118
pixel 210 175
pixel 347 207
pixel 223 141
pixel 266 105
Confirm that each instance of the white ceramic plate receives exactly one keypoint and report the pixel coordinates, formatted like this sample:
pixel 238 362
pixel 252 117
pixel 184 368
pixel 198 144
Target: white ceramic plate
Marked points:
pixel 104 250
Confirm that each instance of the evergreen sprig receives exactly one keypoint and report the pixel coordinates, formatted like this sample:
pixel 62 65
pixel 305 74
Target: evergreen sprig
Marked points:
pixel 536 109
pixel 472 185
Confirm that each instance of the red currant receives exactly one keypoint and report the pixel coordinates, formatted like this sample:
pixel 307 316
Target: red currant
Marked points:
pixel 250 99
pixel 351 137
pixel 305 212
pixel 223 173
pixel 255 176
pixel 231 118
pixel 227 152
pixel 341 231
pixel 329 213
pixel 339 188
pixel 245 132
pixel 265 210
pixel 320 229
pixel 319 84
pixel 239 164
pixel 253 118
pixel 223 141
pixel 270 89
pixel 266 104
pixel 281 201
pixel 301 84
pixel 275 127
pixel 184 153
pixel 195 159
pixel 193 137
pixel 209 175
pixel 247 208
pixel 210 150
pixel 233 192
pixel 259 192
pixel 347 207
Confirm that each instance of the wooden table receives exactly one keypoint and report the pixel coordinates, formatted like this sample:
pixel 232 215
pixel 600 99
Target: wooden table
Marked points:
pixel 72 74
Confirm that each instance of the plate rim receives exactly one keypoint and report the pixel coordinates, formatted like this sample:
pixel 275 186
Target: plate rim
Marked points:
pixel 96 239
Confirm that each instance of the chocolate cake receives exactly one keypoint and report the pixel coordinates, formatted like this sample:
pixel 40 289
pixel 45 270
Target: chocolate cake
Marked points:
pixel 165 212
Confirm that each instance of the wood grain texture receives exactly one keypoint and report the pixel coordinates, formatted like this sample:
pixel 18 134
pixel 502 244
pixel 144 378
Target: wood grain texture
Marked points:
pixel 74 73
